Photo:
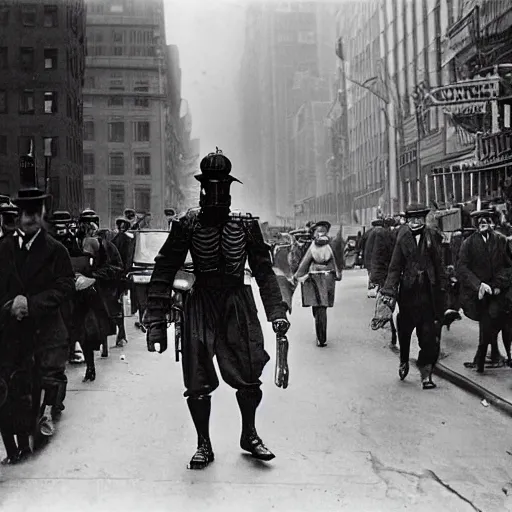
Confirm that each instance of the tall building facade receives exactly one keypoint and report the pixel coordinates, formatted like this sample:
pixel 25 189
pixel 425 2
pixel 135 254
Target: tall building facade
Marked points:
pixel 129 108
pixel 364 180
pixel 42 58
pixel 448 61
pixel 282 39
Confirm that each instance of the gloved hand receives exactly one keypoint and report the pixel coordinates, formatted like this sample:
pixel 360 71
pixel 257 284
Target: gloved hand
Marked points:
pixel 19 307
pixel 484 288
pixel 280 326
pixel 82 282
pixel 496 291
pixel 155 322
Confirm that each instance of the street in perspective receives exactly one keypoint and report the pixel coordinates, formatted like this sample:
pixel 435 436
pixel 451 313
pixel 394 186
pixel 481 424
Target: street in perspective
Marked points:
pixel 256 255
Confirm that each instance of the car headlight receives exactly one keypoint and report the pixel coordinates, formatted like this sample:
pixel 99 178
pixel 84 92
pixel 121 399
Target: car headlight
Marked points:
pixel 144 279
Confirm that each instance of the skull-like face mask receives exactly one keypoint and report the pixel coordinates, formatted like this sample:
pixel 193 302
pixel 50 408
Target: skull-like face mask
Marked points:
pixel 484 225
pixel 416 224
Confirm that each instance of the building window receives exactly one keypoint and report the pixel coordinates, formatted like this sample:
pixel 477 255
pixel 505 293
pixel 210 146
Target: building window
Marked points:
pixel 115 101
pixel 89 130
pixel 90 198
pixel 27 102
pixel 117 201
pixel 116 131
pixel 27 59
pixel 51 16
pixel 117 8
pixel 142 200
pixel 25 145
pixel 88 101
pixel 142 164
pixel 50 103
pixel 4 15
pixel 141 131
pixel 50 58
pixel 3 102
pixel 4 57
pixel 3 144
pixel 116 164
pixel 141 101
pixel 28 15
pixel 117 36
pixel 88 164
pixel 51 146
pixel 118 51
pixel 89 83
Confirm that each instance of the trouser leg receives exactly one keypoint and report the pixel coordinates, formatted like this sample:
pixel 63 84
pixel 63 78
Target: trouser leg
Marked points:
pixel 200 409
pixel 506 334
pixel 405 328
pixel 488 331
pixel 429 346
pixel 52 368
pixel 320 314
pixel 121 332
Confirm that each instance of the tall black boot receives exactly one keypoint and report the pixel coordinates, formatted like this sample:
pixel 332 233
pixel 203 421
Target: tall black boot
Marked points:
pixel 248 401
pixel 121 332
pixel 200 408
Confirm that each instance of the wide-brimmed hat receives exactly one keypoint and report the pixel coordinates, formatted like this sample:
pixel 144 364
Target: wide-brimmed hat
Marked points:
pixel 322 223
pixel 416 210
pixel 169 212
pixel 89 216
pixel 7 207
pixel 215 167
pixel 130 212
pixel 62 217
pixel 123 220
pixel 483 212
pixel 30 196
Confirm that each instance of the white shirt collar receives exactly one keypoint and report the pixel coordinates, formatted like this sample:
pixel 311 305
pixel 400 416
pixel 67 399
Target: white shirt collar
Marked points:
pixel 30 242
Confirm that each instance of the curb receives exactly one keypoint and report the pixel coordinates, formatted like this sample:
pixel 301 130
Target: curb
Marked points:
pixel 468 385
pixel 472 387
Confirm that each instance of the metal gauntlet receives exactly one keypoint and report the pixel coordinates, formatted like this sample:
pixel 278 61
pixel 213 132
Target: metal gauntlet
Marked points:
pixel 282 373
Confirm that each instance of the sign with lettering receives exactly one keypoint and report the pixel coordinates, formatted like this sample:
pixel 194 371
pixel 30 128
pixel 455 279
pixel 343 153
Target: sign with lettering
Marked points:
pixel 494 148
pixel 466 109
pixel 469 91
pixel 28 176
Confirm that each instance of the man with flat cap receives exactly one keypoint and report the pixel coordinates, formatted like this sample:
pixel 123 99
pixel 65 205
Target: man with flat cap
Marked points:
pixel 416 280
pixel 484 272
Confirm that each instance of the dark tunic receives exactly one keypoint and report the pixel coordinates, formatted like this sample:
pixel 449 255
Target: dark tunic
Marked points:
pixel 220 315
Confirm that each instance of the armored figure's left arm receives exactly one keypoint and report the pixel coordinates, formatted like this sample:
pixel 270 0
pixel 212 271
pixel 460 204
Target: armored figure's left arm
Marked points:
pixel 261 267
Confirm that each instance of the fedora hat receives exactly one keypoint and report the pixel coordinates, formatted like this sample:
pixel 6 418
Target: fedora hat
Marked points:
pixel 89 216
pixel 61 217
pixel 416 210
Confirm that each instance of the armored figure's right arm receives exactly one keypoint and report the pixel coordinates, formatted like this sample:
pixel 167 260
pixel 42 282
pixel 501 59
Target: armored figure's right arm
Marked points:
pixel 169 260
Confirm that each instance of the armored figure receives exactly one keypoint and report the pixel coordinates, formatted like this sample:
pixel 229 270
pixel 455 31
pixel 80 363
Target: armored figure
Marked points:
pixel 220 313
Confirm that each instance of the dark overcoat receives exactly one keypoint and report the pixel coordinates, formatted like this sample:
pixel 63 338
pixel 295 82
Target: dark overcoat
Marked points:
pixel 47 280
pixel 479 262
pixel 409 261
pixel 383 244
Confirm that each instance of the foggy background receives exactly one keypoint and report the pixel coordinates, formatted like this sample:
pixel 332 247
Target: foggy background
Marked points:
pixel 210 36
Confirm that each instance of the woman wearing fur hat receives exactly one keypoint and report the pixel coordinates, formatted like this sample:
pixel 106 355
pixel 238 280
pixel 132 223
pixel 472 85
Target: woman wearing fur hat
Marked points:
pixel 318 272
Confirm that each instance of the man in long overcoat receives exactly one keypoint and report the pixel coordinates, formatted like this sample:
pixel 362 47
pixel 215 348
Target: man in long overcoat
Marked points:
pixel 368 248
pixel 37 276
pixel 483 259
pixel 416 281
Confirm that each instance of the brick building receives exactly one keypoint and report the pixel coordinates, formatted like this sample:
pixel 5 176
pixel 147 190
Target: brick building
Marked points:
pixel 42 59
pixel 128 106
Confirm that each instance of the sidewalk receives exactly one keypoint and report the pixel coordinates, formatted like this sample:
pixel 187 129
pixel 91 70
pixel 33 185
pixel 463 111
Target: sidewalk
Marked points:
pixel 458 345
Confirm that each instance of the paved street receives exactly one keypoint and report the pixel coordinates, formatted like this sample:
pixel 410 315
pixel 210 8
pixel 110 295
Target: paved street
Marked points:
pixel 348 435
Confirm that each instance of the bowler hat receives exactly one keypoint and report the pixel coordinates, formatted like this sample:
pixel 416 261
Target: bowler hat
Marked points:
pixel 483 212
pixel 322 223
pixel 30 196
pixel 61 217
pixel 416 210
pixel 215 167
pixel 377 222
pixel 121 220
pixel 89 216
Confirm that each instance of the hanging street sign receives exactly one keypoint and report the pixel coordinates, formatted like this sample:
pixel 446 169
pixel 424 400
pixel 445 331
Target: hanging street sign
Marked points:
pixel 468 91
pixel 466 109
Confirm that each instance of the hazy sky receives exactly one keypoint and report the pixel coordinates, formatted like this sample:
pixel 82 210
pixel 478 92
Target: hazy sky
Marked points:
pixel 210 37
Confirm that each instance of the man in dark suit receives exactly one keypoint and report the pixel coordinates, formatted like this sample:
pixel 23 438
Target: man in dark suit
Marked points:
pixel 416 280
pixel 483 259
pixel 38 277
pixel 368 248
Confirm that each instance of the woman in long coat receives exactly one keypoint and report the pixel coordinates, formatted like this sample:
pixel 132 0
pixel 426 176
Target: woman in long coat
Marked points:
pixel 318 272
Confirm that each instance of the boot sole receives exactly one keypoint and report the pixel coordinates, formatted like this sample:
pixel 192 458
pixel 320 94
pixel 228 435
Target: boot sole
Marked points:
pixel 200 465
pixel 259 457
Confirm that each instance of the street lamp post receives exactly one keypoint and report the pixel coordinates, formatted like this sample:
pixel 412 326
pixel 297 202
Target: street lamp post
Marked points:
pixel 47 163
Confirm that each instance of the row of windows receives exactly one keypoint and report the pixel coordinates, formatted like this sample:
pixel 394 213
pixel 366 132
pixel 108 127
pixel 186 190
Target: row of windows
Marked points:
pixel 116 164
pixel 50 146
pixel 117 199
pixel 120 51
pixel 116 131
pixel 126 7
pixel 121 36
pixel 32 102
pixel 34 14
